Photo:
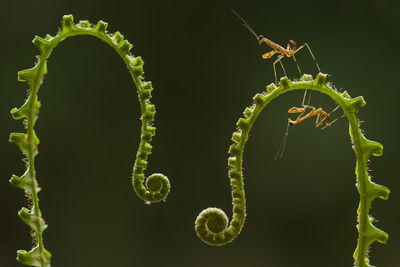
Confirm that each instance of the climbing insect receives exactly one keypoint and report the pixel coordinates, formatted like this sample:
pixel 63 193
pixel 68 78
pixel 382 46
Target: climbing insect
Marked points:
pixel 290 51
pixel 314 112
pixel 322 121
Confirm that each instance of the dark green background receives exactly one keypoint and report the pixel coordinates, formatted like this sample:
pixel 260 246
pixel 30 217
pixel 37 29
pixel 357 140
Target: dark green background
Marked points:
pixel 205 68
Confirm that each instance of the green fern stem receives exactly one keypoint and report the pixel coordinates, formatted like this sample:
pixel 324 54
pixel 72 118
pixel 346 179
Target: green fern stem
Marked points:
pixel 212 223
pixel 157 185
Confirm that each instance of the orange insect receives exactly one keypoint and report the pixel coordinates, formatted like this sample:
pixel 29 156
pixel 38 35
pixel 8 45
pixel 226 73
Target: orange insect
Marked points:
pixel 314 112
pixel 321 115
pixel 290 51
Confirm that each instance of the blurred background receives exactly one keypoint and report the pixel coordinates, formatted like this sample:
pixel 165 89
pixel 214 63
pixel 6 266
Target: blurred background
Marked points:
pixel 205 68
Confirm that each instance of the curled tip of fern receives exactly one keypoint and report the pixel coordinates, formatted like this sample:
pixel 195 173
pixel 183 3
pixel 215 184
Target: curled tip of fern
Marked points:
pixel 212 227
pixel 158 187
pixel 158 183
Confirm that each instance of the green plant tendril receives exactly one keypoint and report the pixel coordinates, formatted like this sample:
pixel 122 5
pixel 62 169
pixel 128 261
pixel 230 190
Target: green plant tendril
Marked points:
pixel 212 223
pixel 157 184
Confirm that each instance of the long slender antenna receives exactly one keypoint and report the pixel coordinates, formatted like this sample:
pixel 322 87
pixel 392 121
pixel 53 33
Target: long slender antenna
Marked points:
pixel 245 23
pixel 283 144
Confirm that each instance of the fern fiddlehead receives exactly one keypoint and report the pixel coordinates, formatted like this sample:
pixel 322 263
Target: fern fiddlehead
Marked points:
pixel 157 185
pixel 212 223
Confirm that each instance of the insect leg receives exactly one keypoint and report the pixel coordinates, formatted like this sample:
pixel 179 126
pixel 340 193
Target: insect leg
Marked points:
pixel 316 63
pixel 338 118
pixel 295 61
pixel 269 54
pixel 280 62
pixel 319 121
pixel 312 55
pixel 299 117
pixel 333 110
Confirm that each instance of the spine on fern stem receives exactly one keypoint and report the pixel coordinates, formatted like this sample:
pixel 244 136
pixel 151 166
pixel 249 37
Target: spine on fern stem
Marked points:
pixel 212 223
pixel 157 184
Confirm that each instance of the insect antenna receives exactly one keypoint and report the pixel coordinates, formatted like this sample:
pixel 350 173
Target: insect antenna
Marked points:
pixel 283 144
pixel 245 23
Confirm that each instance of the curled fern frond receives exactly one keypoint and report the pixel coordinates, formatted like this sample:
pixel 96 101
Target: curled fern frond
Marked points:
pixel 212 223
pixel 157 184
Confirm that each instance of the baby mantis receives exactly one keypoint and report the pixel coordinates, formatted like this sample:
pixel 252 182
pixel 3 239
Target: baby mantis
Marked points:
pixel 290 51
pixel 321 115
pixel 314 112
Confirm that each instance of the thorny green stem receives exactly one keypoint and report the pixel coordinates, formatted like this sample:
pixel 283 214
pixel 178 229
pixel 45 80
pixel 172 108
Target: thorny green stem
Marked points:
pixel 212 223
pixel 157 185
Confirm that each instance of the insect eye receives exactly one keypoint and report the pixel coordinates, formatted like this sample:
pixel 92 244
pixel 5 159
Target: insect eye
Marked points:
pixel 260 37
pixel 291 123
